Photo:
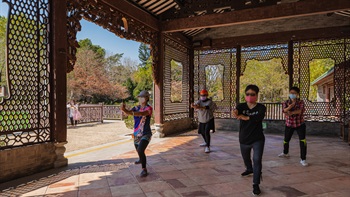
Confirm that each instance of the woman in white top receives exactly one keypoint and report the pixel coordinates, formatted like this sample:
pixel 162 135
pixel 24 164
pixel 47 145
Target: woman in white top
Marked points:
pixel 73 112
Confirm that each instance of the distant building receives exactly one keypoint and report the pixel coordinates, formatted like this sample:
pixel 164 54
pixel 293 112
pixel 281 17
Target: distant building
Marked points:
pixel 325 86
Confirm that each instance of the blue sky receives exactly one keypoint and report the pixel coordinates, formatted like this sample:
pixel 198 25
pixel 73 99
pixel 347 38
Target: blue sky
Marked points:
pixel 108 40
pixel 99 36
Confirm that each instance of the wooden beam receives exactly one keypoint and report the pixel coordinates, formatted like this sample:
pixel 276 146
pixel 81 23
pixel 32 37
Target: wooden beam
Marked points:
pixel 178 2
pixel 134 12
pixel 268 13
pixel 180 38
pixel 281 37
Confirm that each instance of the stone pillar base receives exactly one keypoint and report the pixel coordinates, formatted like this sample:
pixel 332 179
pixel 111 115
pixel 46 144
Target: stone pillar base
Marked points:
pixel 159 131
pixel 61 161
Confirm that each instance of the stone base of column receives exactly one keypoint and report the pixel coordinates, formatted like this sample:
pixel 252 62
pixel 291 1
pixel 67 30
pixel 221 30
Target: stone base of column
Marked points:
pixel 61 161
pixel 159 131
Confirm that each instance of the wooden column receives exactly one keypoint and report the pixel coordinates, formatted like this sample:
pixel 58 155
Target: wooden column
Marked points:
pixel 191 78
pixel 59 70
pixel 290 62
pixel 158 87
pixel 238 71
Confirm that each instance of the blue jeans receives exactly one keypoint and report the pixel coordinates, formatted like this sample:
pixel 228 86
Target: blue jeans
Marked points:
pixel 258 148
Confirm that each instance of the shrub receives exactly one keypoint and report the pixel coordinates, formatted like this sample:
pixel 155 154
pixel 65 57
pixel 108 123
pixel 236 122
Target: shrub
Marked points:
pixel 14 120
pixel 129 122
pixel 2 143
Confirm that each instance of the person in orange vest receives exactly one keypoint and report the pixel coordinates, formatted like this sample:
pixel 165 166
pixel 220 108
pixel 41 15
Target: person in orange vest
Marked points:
pixel 205 108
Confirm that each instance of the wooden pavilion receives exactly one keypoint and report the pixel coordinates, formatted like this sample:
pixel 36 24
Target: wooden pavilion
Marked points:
pixel 194 33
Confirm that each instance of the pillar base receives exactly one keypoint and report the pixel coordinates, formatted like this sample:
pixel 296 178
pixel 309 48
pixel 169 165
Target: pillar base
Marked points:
pixel 61 161
pixel 159 131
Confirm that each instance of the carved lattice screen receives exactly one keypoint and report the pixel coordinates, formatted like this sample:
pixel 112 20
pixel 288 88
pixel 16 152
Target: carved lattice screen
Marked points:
pixel 347 82
pixel 303 53
pixel 306 51
pixel 25 115
pixel 264 53
pixel 226 58
pixel 179 53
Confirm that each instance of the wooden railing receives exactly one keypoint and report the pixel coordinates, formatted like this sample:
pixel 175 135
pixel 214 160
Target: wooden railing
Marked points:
pixel 274 111
pixel 98 113
pixel 112 112
pixel 314 111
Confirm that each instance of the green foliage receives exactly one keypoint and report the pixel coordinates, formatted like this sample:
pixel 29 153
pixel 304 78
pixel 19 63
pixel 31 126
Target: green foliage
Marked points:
pixel 269 76
pixel 143 76
pixel 130 85
pixel 87 44
pixel 3 24
pixel 21 118
pixel 143 79
pixel 214 81
pixel 317 68
pixel 2 143
pixel 176 81
pixel 144 54
pixel 129 122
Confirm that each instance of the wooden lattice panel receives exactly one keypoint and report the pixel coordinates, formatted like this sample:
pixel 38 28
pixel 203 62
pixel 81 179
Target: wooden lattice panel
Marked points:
pixel 321 49
pixel 226 58
pixel 25 115
pixel 265 53
pixel 347 83
pixel 179 53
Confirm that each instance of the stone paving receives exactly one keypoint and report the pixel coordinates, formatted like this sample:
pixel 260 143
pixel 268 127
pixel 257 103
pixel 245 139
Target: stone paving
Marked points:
pixel 92 134
pixel 179 167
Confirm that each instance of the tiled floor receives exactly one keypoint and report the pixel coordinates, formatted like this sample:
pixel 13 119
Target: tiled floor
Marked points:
pixel 179 167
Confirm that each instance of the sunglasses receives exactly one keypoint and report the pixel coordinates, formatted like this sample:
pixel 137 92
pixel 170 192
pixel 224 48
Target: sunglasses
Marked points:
pixel 250 94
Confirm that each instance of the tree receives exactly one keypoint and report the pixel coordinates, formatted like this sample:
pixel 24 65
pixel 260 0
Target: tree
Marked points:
pixel 87 44
pixel 317 68
pixel 113 60
pixel 144 54
pixel 176 81
pixel 269 76
pixel 130 86
pixel 89 79
pixel 214 81
pixel 3 25
pixel 143 78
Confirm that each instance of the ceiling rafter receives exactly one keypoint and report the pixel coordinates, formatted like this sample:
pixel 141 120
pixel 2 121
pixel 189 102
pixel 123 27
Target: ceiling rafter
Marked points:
pixel 268 13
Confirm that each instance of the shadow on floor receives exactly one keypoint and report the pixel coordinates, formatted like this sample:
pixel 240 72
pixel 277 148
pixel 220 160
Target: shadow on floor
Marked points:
pixel 179 167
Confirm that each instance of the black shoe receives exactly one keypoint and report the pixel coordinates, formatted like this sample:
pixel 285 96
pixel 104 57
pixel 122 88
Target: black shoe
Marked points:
pixel 137 162
pixel 144 173
pixel 256 190
pixel 247 173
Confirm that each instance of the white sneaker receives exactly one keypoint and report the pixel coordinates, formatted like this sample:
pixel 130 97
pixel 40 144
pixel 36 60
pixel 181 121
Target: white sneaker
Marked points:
pixel 304 163
pixel 202 145
pixel 283 155
pixel 207 150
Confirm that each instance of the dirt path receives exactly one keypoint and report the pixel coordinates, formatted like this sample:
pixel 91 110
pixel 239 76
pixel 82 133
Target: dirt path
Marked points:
pixel 93 134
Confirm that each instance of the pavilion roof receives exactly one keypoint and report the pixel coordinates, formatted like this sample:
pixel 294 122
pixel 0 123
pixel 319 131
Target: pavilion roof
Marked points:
pixel 323 76
pixel 168 10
